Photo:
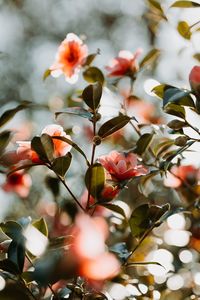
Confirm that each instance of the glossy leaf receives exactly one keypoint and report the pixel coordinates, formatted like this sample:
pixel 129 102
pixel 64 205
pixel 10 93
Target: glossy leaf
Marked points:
pixel 185 4
pixel 95 179
pixel 75 146
pixel 92 95
pixel 5 137
pixel 12 229
pixel 93 74
pixel 9 114
pixel 41 225
pixel 61 164
pixel 177 96
pixel 160 89
pixel 78 111
pixel 184 30
pixel 48 146
pixel 113 125
pixel 150 58
pixel 115 208
pixel 175 110
pixel 16 252
pixel 143 143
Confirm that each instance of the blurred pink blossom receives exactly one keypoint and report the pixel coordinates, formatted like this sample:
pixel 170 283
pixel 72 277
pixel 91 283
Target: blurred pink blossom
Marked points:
pixel 19 183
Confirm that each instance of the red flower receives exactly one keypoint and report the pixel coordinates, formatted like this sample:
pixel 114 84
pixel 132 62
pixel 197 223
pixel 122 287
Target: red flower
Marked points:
pixel 194 78
pixel 61 148
pixel 19 183
pixel 125 62
pixel 182 174
pixel 121 166
pixel 70 57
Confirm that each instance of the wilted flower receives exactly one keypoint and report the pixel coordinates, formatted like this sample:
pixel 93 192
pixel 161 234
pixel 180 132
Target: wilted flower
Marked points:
pixel 194 78
pixel 180 174
pixel 19 183
pixel 122 166
pixel 124 63
pixel 70 57
pixel 94 262
pixel 61 148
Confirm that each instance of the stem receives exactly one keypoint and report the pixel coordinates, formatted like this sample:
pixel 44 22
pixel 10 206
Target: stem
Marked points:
pixel 191 126
pixel 193 25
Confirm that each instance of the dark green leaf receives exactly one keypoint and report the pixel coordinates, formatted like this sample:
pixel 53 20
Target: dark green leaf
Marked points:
pixel 150 58
pixel 176 124
pixel 175 110
pixel 48 146
pixel 90 58
pixel 46 74
pixel 9 114
pixel 53 184
pixel 61 164
pixel 95 179
pixel 76 111
pixel 115 208
pixel 9 266
pixel 12 229
pixel 177 96
pixel 143 143
pixel 37 146
pixel 75 146
pixel 16 252
pixel 185 4
pixel 5 137
pixel 15 291
pixel 93 74
pixel 160 89
pixel 92 95
pixel 113 125
pixel 184 30
pixel 41 225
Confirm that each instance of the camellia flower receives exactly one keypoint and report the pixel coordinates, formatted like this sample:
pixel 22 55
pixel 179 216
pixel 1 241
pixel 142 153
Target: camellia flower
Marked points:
pixel 19 183
pixel 194 78
pixel 94 262
pixel 122 166
pixel 61 148
pixel 123 64
pixel 189 174
pixel 70 57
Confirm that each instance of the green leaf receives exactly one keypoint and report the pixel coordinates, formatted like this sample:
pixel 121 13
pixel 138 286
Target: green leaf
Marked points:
pixel 145 217
pixel 93 74
pixel 160 89
pixel 48 146
pixel 185 4
pixel 175 110
pixel 143 143
pixel 9 114
pixel 61 164
pixel 156 5
pixel 150 58
pixel 184 30
pixel 16 252
pixel 113 125
pixel 75 146
pixel 176 124
pixel 41 225
pixel 46 74
pixel 37 146
pixel 144 263
pixel 9 266
pixel 95 179
pixel 177 96
pixel 197 56
pixel 5 137
pixel 90 58
pixel 160 148
pixel 115 208
pixel 12 229
pixel 92 95
pixel 78 111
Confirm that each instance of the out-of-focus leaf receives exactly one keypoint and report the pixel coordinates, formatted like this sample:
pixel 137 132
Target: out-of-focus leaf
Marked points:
pixel 41 225
pixel 150 58
pixel 27 166
pixel 76 111
pixel 9 114
pixel 197 56
pixel 95 179
pixel 143 143
pixel 74 145
pixel 9 266
pixel 175 110
pixel 145 217
pixel 145 182
pixel 156 5
pixel 184 30
pixel 46 74
pixel 92 95
pixel 12 229
pixel 5 137
pixel 160 148
pixel 177 96
pixel 90 58
pixel 120 249
pixel 93 74
pixel 61 164
pixel 15 291
pixel 185 4
pixel 115 208
pixel 16 252
pixel 113 125
pixel 53 184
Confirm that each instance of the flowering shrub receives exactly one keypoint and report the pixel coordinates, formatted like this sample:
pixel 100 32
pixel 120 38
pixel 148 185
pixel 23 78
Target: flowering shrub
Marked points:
pixel 104 221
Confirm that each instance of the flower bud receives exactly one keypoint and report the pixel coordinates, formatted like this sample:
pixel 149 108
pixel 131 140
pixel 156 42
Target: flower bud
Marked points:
pixel 194 79
pixel 181 141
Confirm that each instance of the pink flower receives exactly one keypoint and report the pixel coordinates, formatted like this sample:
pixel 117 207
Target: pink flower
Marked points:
pixel 89 248
pixel 182 174
pixel 125 63
pixel 121 166
pixel 61 148
pixel 19 183
pixel 194 78
pixel 70 57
